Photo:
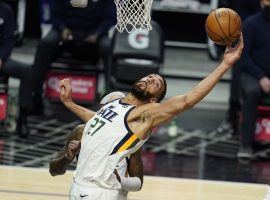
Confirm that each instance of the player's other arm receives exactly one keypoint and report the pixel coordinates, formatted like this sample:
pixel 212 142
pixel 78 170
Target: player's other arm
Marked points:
pixel 58 165
pixel 65 95
pixel 178 104
pixel 135 170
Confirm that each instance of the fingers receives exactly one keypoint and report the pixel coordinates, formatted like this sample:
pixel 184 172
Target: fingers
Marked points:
pixel 75 144
pixel 229 46
pixel 74 147
pixel 62 90
pixel 65 84
pixel 240 45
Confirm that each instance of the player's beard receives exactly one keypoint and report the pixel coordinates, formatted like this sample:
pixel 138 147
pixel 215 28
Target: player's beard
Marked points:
pixel 139 93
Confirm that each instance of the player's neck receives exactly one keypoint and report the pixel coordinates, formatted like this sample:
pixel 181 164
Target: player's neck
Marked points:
pixel 130 99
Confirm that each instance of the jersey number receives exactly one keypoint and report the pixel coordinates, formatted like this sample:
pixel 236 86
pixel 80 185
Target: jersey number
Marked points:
pixel 97 124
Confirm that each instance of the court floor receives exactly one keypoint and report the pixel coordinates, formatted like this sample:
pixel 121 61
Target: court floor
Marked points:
pixel 19 183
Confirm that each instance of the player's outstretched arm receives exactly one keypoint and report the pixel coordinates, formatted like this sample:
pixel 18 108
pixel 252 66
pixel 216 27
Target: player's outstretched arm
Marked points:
pixel 65 95
pixel 58 165
pixel 178 104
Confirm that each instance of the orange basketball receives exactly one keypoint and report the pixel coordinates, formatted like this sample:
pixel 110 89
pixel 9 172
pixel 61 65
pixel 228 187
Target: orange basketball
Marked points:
pixel 223 26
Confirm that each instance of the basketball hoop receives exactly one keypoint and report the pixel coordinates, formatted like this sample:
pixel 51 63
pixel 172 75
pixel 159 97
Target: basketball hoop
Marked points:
pixel 133 15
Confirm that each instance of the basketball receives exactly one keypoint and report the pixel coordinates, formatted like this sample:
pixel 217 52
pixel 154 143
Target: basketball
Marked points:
pixel 223 26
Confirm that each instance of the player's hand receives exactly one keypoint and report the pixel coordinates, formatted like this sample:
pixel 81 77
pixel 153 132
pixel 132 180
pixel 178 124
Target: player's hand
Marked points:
pixel 233 54
pixel 265 84
pixel 65 90
pixel 67 34
pixel 73 149
pixel 92 38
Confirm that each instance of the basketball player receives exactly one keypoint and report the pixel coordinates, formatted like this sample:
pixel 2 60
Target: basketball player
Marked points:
pixel 132 166
pixel 122 126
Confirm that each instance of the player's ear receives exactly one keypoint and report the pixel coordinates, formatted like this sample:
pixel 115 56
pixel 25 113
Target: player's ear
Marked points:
pixel 153 100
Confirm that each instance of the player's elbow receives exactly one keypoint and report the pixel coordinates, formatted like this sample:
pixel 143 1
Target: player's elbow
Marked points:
pixel 133 184
pixel 138 189
pixel 140 185
pixel 54 171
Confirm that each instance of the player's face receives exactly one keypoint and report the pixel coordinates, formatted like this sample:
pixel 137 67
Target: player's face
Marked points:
pixel 148 87
pixel 152 83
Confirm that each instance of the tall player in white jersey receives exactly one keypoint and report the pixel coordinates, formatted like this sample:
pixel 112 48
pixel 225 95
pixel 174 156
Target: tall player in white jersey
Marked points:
pixel 129 171
pixel 122 126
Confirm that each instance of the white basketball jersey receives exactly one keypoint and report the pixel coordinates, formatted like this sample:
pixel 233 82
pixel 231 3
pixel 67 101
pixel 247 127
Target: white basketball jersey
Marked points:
pixel 106 141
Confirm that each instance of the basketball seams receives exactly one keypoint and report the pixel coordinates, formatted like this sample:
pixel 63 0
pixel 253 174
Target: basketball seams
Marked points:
pixel 229 27
pixel 239 23
pixel 219 24
pixel 221 38
pixel 213 31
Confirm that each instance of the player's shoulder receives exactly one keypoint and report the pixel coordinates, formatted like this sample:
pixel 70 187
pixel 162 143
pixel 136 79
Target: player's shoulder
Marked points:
pixel 79 127
pixel 139 110
pixel 147 106
pixel 78 131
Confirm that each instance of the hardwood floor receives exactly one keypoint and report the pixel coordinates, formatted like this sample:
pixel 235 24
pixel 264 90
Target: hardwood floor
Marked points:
pixel 18 183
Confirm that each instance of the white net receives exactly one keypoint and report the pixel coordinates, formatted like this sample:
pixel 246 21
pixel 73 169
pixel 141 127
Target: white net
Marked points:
pixel 133 15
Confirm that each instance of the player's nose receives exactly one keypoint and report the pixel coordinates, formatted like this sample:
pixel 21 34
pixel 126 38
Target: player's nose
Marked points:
pixel 150 80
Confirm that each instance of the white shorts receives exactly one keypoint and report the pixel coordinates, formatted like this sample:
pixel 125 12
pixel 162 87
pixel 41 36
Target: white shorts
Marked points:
pixel 80 191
